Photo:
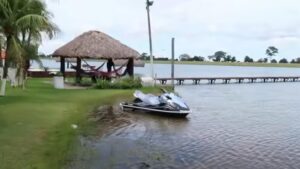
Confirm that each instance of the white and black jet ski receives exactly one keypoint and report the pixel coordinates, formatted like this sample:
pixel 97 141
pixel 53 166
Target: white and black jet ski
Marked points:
pixel 165 104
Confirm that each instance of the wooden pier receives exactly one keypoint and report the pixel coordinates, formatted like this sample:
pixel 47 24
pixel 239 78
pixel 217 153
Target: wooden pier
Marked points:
pixel 230 80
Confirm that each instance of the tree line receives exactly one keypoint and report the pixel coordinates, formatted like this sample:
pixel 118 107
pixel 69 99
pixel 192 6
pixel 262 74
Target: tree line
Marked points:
pixel 221 56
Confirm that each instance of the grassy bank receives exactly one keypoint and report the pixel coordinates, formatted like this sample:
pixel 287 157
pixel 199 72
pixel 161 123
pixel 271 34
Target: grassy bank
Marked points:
pixel 230 64
pixel 35 124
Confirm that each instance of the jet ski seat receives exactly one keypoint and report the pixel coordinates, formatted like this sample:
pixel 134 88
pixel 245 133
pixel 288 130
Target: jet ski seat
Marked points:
pixel 147 99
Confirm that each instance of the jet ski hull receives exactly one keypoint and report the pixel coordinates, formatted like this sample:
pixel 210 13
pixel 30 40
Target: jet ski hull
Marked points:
pixel 154 110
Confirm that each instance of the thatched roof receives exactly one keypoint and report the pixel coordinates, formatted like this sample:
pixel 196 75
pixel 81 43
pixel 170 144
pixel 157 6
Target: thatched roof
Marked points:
pixel 95 45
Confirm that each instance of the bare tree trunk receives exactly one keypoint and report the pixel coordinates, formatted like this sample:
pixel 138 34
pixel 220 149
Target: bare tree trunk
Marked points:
pixel 26 65
pixel 2 79
pixel 25 73
pixel 5 68
pixel 3 86
pixel 5 74
pixel 19 76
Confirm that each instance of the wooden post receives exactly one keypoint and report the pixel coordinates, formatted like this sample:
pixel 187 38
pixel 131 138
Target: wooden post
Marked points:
pixel 62 65
pixel 130 67
pixel 172 67
pixel 78 68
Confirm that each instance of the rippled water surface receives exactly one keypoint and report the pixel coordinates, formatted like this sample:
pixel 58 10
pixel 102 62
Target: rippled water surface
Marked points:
pixel 248 126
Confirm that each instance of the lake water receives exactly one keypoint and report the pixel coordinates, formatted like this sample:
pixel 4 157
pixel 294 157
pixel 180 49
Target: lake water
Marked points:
pixel 162 70
pixel 236 126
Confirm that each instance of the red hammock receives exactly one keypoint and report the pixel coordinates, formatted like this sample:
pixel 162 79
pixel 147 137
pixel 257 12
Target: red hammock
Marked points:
pixel 112 74
pixel 102 74
pixel 92 68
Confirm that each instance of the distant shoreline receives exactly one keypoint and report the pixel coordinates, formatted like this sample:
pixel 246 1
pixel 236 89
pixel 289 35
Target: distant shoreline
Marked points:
pixel 283 65
pixel 242 64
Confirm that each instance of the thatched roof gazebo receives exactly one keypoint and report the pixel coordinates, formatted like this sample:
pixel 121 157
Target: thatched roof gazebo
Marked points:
pixel 96 45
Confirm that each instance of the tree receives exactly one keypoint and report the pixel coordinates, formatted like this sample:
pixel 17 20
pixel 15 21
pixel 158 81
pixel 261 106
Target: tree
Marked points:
pixel 271 51
pixel 201 59
pixel 284 60
pixel 233 59
pixel 293 61
pixel 42 55
pixel 248 59
pixel 145 56
pixel 210 57
pixel 227 58
pixel 273 61
pixel 219 55
pixel 32 33
pixel 297 60
pixel 184 57
pixel 263 60
pixel 260 61
pixel 197 58
pixel 22 22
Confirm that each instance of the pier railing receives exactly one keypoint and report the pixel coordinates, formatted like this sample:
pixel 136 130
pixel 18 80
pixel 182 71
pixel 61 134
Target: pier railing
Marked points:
pixel 228 80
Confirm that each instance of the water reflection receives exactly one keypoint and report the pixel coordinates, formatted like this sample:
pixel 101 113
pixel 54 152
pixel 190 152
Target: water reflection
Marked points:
pixel 128 140
pixel 232 126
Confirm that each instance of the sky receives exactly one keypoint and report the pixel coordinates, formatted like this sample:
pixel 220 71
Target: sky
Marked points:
pixel 200 27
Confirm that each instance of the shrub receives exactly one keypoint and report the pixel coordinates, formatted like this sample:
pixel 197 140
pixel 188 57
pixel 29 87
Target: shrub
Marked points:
pixel 124 83
pixel 85 82
pixel 103 84
pixel 58 74
pixel 161 59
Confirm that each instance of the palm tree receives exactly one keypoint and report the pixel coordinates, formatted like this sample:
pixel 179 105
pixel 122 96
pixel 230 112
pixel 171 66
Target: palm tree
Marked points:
pixel 22 22
pixel 32 35
pixel 271 51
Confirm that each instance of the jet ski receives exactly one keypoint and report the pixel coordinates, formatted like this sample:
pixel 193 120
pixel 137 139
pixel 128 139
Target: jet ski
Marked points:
pixel 168 104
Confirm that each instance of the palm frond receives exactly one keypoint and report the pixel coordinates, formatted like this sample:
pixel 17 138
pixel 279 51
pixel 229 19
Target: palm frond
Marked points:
pixel 37 23
pixel 5 9
pixel 31 20
pixel 25 21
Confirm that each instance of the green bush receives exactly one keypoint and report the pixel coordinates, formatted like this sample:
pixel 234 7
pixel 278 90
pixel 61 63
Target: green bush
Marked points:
pixel 124 83
pixel 57 73
pixel 85 82
pixel 103 84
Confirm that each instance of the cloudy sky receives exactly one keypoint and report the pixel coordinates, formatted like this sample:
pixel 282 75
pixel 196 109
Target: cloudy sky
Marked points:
pixel 201 27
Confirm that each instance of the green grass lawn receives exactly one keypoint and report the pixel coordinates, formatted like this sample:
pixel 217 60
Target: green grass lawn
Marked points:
pixel 35 124
pixel 231 64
